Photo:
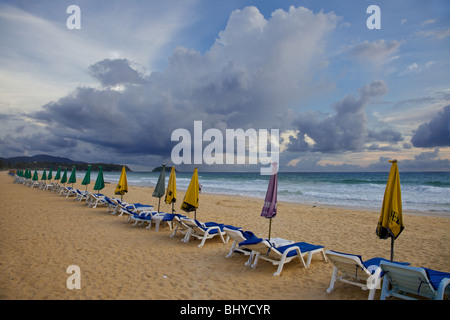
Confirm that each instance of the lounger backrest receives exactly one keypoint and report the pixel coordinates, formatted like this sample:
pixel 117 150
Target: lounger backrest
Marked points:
pixel 409 279
pixel 235 235
pixel 190 223
pixel 262 247
pixel 349 264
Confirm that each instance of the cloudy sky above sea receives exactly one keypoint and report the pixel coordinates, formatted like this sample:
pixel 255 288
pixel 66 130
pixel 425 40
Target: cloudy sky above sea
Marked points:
pixel 344 97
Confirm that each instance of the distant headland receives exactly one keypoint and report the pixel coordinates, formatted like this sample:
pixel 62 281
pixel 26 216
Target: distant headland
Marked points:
pixel 42 161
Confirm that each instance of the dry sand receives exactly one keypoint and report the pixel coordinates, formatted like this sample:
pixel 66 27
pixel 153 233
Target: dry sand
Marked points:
pixel 42 233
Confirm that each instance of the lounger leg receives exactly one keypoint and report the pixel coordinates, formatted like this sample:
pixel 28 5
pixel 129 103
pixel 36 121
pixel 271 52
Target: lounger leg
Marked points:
pixel 371 294
pixel 333 280
pixel 255 261
pixel 280 266
pixel 250 259
pixel 174 231
pixel 187 237
pixel 324 255
pixel 385 289
pixel 203 240
pixel 233 246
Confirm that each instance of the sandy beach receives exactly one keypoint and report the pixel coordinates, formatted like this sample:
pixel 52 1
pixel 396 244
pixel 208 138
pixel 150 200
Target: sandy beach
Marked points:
pixel 42 233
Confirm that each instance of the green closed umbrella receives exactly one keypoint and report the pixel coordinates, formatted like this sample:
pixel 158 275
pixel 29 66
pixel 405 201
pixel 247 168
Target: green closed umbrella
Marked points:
pixel 58 173
pixel 73 176
pixel 100 182
pixel 87 177
pixel 35 175
pixel 64 176
pixel 160 188
pixel 49 176
pixel 44 175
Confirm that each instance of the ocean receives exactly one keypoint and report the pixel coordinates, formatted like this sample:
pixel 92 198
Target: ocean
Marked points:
pixel 425 192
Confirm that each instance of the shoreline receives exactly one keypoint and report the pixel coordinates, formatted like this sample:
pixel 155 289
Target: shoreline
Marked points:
pixel 435 213
pixel 43 233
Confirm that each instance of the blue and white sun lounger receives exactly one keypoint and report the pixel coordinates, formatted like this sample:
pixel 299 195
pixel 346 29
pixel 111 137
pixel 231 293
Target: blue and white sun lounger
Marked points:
pixel 169 218
pixel 95 199
pixel 238 236
pixel 405 280
pixel 351 269
pixel 280 251
pixel 204 231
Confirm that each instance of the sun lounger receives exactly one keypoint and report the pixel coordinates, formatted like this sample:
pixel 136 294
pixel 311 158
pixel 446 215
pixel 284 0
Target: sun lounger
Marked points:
pixel 143 217
pixel 238 236
pixel 280 251
pixel 169 218
pixel 135 207
pixel 71 192
pixel 204 231
pixel 136 215
pixel 180 225
pixel 406 281
pixel 96 199
pixel 81 195
pixel 351 269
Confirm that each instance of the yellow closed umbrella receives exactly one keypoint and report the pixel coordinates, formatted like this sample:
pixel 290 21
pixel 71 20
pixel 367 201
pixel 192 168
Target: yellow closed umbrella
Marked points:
pixel 190 201
pixel 122 186
pixel 390 223
pixel 171 193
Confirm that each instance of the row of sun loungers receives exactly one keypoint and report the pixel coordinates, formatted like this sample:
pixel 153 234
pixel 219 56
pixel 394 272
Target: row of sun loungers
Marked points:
pixel 398 279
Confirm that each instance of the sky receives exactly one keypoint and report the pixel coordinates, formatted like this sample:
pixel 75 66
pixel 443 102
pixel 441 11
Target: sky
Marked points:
pixel 348 88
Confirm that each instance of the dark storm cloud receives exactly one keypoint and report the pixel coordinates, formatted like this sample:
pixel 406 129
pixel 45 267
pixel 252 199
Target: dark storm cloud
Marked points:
pixel 346 129
pixel 435 133
pixel 113 72
pixel 246 80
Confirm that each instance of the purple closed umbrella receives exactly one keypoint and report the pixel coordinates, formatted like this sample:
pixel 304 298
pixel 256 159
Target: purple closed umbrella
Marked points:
pixel 270 202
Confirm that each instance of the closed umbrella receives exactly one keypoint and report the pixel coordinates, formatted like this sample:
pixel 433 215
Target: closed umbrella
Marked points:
pixel 171 193
pixel 122 186
pixel 190 201
pixel 35 175
pixel 50 173
pixel 44 175
pixel 73 176
pixel 269 210
pixel 58 173
pixel 390 223
pixel 160 185
pixel 100 182
pixel 64 177
pixel 87 177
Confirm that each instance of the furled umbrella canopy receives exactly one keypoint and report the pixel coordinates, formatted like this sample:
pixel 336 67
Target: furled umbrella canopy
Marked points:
pixel 73 176
pixel 64 176
pixel 100 182
pixel 122 186
pixel 58 173
pixel 190 201
pixel 171 193
pixel 390 223
pixel 270 202
pixel 35 175
pixel 44 175
pixel 87 177
pixel 160 187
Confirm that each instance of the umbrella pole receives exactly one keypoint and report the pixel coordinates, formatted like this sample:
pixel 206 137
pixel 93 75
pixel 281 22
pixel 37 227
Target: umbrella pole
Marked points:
pixel 392 249
pixel 270 227
pixel 159 203
pixel 195 214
